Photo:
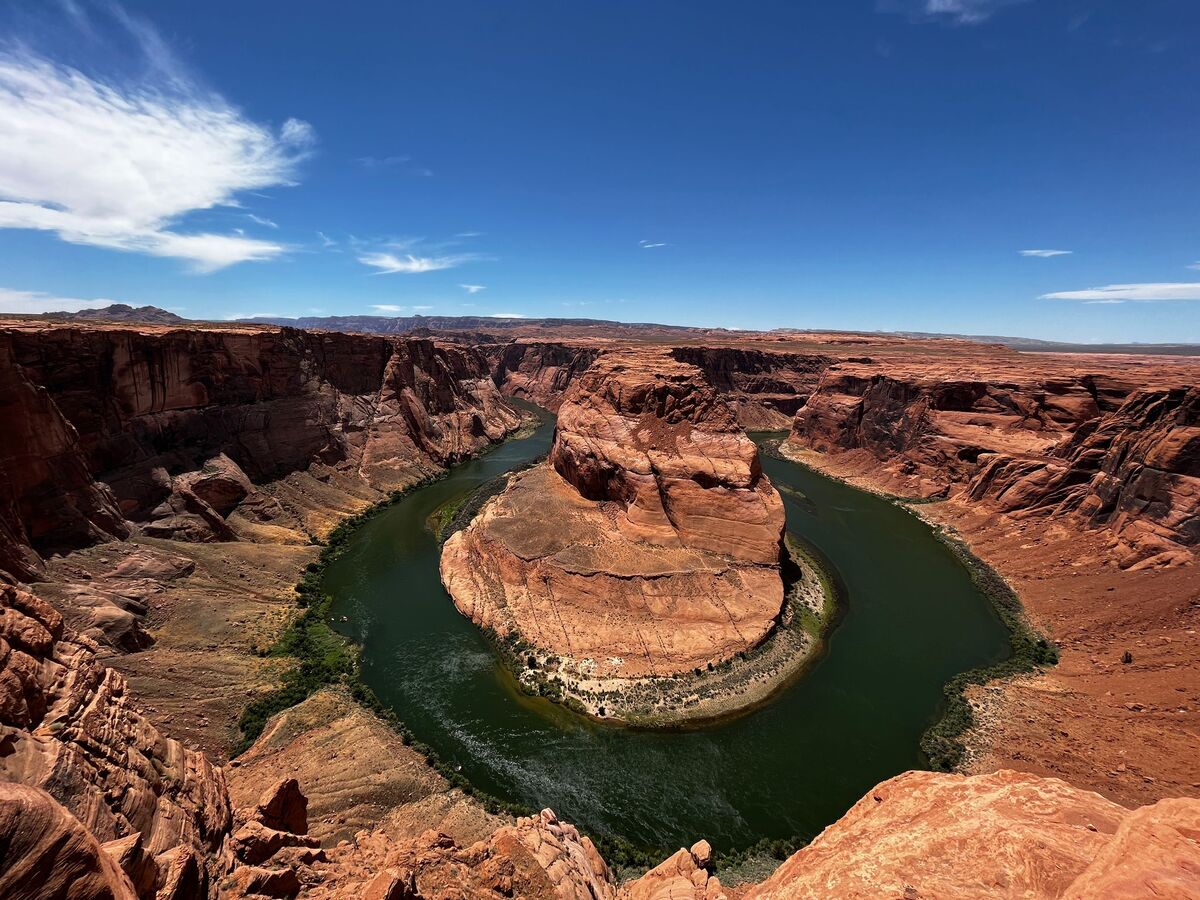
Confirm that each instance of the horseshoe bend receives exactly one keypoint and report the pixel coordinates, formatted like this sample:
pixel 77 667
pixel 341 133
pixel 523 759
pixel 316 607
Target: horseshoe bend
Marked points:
pixel 636 558
pixel 591 451
pixel 648 545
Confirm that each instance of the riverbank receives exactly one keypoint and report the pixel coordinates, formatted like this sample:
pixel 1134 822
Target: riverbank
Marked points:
pixel 704 697
pixel 943 743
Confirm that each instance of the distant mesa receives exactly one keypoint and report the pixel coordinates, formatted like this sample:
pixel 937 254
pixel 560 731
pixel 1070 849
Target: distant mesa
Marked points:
pixel 120 312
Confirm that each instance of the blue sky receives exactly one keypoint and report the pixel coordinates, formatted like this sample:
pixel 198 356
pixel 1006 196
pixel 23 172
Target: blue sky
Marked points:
pixel 858 164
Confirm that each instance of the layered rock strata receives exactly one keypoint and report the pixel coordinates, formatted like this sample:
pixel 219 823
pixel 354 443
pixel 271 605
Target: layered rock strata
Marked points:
pixel 1080 446
pixel 169 430
pixel 648 545
pixel 69 728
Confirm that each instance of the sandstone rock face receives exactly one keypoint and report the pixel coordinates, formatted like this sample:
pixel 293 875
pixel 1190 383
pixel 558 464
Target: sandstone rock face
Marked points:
pixel 538 858
pixel 1155 853
pixel 46 852
pixel 1134 470
pixel 171 429
pixel 48 498
pixel 928 835
pixel 68 728
pixel 650 543
pixel 1041 443
pixel 539 372
pixel 683 876
pixel 764 389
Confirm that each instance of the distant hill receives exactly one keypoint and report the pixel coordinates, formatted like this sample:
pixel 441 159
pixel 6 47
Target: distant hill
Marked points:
pixel 121 312
pixel 1033 345
pixel 407 324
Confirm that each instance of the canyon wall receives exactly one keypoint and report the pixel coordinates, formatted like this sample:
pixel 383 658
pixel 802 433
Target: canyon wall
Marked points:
pixel 538 372
pixel 109 426
pixel 763 388
pixel 1032 443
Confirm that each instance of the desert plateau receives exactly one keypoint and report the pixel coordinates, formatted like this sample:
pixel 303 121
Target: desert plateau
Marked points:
pixel 542 451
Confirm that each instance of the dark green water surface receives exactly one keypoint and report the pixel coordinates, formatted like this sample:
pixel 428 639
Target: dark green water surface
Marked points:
pixel 913 619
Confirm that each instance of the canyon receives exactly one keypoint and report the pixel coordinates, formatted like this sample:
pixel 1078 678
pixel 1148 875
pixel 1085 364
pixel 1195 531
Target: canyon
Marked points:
pixel 163 488
pixel 649 543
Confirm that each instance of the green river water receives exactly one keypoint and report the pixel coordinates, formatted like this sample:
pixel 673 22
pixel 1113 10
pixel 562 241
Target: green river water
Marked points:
pixel 913 619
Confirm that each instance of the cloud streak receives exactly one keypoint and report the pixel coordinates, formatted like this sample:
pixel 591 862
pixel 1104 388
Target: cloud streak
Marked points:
pixel 959 12
pixel 118 165
pixel 411 264
pixel 396 310
pixel 1046 254
pixel 1120 293
pixel 473 288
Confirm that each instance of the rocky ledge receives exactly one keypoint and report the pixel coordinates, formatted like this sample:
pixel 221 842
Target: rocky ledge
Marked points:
pixel 648 545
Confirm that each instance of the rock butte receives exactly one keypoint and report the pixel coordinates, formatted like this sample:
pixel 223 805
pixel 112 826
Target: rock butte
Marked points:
pixel 160 484
pixel 648 544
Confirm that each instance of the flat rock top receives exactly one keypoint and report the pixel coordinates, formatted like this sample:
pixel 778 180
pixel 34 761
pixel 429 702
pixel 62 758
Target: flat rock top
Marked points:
pixel 540 516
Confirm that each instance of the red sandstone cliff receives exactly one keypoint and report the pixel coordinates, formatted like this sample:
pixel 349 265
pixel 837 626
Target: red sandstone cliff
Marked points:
pixel 650 542
pixel 108 425
pixel 1026 443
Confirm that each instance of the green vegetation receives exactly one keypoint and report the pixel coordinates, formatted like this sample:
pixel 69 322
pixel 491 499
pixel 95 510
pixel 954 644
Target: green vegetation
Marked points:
pixel 321 658
pixel 942 743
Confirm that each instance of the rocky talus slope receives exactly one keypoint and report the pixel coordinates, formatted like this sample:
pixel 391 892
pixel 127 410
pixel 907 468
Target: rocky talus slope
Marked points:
pixel 650 542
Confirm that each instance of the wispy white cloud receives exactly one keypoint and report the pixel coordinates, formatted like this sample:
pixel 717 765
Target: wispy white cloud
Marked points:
pixel 410 264
pixel 1119 293
pixel 507 315
pixel 39 302
pixel 398 310
pixel 1046 254
pixel 261 220
pixel 1195 265
pixel 402 163
pixel 959 12
pixel 234 316
pixel 326 241
pixel 414 256
pixel 382 162
pixel 473 288
pixel 650 245
pixel 119 164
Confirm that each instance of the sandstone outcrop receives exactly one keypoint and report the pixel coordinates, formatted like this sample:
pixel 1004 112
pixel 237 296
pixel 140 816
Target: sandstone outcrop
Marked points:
pixel 169 430
pixel 648 545
pixel 1001 835
pixel 765 389
pixel 1134 470
pixel 538 858
pixel 68 727
pixel 1048 443
pixel 539 372
pixel 46 852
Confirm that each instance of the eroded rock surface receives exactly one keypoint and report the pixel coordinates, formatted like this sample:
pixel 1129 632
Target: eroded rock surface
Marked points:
pixel 170 430
pixel 990 836
pixel 1045 441
pixel 650 542
pixel 69 728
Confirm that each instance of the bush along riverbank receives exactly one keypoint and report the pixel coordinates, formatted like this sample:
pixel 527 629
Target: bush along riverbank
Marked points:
pixel 942 743
pixel 321 658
